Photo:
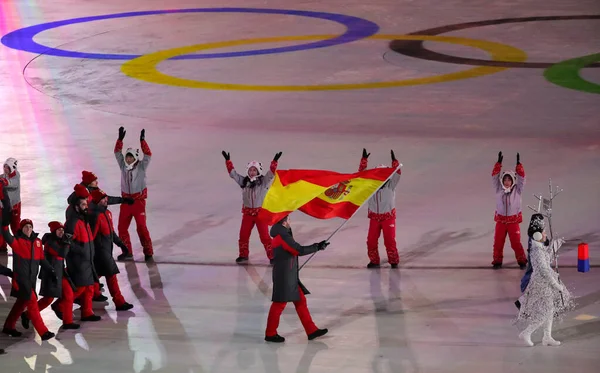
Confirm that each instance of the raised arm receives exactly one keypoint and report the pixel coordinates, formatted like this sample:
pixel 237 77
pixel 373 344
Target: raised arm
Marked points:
pixel 270 175
pixel 239 179
pixel 146 150
pixel 520 171
pixel 364 162
pixel 495 172
pixel 119 148
pixel 396 177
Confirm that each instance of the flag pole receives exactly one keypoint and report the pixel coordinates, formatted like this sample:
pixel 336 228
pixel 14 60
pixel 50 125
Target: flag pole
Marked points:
pixel 351 216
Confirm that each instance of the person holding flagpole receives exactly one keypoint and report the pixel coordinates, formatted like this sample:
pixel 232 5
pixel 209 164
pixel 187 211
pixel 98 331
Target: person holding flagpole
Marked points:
pixel 382 215
pixel 286 282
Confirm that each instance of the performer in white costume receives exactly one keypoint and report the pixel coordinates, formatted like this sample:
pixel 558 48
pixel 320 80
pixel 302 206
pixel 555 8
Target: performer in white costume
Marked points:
pixel 546 298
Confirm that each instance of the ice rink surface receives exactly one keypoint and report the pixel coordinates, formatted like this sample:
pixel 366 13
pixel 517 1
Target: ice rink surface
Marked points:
pixel 443 310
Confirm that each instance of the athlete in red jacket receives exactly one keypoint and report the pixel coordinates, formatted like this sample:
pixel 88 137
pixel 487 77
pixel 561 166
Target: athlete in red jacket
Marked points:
pixel 27 257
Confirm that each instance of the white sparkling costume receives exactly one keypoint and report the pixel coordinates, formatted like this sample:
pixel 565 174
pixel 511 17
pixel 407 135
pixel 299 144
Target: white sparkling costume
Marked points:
pixel 546 298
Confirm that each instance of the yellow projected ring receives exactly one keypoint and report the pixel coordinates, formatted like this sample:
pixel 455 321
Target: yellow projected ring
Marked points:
pixel 145 67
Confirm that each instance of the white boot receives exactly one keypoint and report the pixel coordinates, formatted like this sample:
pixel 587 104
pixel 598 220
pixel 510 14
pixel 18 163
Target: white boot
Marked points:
pixel 547 340
pixel 526 337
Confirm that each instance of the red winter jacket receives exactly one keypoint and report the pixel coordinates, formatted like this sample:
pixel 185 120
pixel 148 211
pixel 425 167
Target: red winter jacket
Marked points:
pixel 28 254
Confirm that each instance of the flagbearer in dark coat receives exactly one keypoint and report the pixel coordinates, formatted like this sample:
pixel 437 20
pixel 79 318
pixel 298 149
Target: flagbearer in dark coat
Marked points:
pixel 102 223
pixel 286 283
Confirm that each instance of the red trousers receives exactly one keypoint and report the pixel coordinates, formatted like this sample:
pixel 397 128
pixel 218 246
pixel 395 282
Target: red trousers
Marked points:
pixel 514 235
pixel 15 221
pixel 248 222
pixel 136 211
pixel 302 311
pixel 389 239
pixel 44 303
pixel 65 305
pixel 113 288
pixel 33 313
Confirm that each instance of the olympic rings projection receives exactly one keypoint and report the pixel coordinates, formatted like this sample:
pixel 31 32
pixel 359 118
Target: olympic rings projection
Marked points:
pixel 356 29
pixel 144 68
pixel 566 74
pixel 417 50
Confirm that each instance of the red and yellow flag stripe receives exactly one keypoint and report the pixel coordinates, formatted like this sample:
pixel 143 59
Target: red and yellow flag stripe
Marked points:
pixel 320 194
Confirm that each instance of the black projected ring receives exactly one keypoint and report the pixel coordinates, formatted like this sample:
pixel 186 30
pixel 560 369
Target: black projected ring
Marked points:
pixel 415 48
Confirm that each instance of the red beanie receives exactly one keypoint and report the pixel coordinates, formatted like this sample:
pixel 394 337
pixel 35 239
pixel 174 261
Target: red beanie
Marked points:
pixel 97 195
pixel 88 177
pixel 55 225
pixel 24 222
pixel 81 191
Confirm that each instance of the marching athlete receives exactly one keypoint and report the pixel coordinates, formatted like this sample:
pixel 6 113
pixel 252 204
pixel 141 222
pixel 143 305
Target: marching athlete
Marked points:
pixel 102 223
pixel 286 282
pixel 28 255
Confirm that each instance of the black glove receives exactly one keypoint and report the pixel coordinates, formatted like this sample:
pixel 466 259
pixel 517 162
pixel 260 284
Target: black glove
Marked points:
pixel 365 154
pixel 518 159
pixel 500 157
pixel 122 133
pixel 393 156
pixel 128 200
pixel 277 156
pixel 322 245
pixel 226 155
pixel 142 135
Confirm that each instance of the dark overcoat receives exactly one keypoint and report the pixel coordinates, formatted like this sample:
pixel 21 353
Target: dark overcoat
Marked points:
pixel 101 222
pixel 286 282
pixel 80 259
pixel 55 251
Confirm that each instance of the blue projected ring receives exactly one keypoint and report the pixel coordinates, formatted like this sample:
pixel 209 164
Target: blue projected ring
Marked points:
pixel 356 29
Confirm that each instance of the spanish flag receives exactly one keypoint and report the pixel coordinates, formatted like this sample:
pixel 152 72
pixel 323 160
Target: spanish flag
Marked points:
pixel 320 194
